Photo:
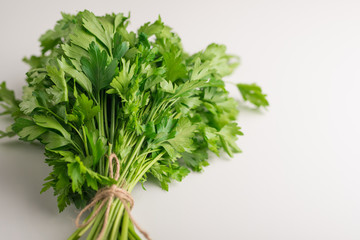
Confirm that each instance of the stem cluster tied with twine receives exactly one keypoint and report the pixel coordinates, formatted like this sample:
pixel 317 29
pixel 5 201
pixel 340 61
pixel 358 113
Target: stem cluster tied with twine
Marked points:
pixel 98 87
pixel 107 194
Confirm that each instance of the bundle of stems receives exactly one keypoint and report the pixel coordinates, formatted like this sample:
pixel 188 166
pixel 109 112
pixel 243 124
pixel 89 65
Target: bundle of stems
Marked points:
pixel 98 90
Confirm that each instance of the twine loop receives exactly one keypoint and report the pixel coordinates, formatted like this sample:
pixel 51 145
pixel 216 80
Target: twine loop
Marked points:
pixel 107 194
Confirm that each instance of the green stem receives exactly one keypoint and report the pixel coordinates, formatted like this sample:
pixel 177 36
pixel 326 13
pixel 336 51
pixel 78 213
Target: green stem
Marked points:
pixel 85 141
pixel 105 116
pixel 125 227
pixel 99 116
pixel 131 237
pixel 81 231
pixel 75 235
pixel 146 167
pixel 117 220
pixel 107 160
pixel 95 230
pixel 132 157
pixel 132 234
pixel 112 126
pixel 141 160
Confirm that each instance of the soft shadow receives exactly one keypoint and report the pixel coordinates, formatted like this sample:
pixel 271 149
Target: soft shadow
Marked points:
pixel 16 143
pixel 250 109
pixel 22 174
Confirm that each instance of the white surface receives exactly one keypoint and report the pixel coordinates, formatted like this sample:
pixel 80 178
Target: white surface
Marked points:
pixel 298 177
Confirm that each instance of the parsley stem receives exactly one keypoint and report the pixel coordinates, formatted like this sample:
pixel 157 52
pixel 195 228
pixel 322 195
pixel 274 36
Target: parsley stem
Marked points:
pixel 101 130
pixel 118 216
pixel 105 115
pixel 99 120
pixel 132 157
pixel 112 126
pixel 139 159
pixel 125 227
pixel 107 160
pixel 97 225
pixel 116 210
pixel 85 141
pixel 147 166
pixel 132 234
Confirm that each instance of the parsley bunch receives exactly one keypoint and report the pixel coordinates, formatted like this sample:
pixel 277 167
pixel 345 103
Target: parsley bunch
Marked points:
pixel 98 89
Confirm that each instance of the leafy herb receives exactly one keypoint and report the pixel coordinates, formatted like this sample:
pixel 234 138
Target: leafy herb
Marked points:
pixel 98 89
pixel 253 94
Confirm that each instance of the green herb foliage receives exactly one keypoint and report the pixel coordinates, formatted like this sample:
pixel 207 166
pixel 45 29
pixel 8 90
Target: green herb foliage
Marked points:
pixel 98 89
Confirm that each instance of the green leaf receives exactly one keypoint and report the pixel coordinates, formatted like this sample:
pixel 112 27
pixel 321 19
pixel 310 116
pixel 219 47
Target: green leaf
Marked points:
pixel 82 38
pixel 91 23
pixel 53 140
pixel 98 145
pixel 164 129
pixel 150 130
pixel 171 151
pixel 60 90
pixel 184 132
pixel 102 180
pixel 151 82
pixel 167 86
pixel 119 20
pixel 228 136
pixel 189 85
pixel 219 61
pixel 34 61
pixel 96 68
pixel 8 97
pixel 49 40
pixel 37 76
pixel 200 70
pixel 212 138
pixel 120 47
pixel 152 29
pixel 31 133
pixel 29 101
pixel 165 172
pixel 253 94
pixel 63 201
pixel 84 110
pixel 186 104
pixel 75 172
pixel 174 64
pixel 196 160
pixel 21 123
pixel 75 52
pixel 79 77
pixel 51 123
pixel 91 182
pixel 8 133
pixel 178 173
pixel 120 83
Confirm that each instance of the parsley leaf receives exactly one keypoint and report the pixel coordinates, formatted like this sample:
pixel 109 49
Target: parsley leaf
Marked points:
pixel 96 68
pixel 253 94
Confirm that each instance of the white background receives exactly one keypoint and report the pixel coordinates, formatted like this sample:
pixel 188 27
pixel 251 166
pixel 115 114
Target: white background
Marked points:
pixel 298 176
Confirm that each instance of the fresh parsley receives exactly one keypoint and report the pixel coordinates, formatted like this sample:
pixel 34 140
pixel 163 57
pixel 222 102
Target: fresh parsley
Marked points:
pixel 98 89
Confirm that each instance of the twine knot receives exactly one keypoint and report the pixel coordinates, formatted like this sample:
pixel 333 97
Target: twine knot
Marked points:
pixel 107 194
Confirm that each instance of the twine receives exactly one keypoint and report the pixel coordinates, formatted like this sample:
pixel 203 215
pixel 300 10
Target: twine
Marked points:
pixel 107 194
